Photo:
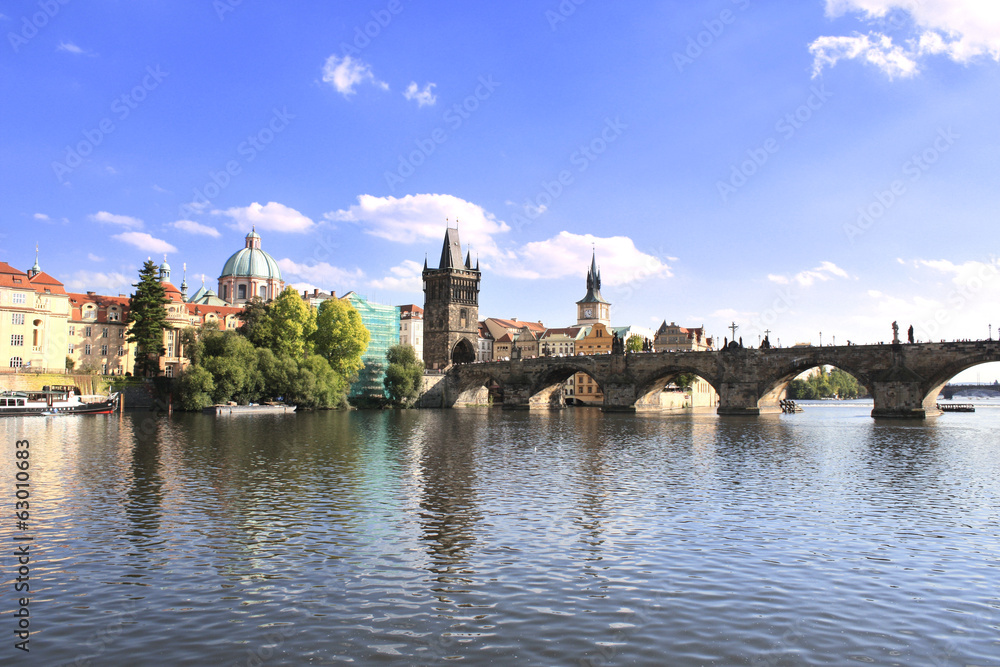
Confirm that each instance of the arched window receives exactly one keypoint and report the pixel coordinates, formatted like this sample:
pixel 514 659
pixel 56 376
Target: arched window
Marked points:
pixel 225 292
pixel 263 291
pixel 241 290
pixel 463 317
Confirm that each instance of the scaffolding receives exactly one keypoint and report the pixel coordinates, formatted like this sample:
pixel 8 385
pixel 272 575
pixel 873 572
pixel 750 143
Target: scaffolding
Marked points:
pixel 382 322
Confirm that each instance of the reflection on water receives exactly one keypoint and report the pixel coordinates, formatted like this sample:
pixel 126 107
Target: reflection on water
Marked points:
pixel 479 535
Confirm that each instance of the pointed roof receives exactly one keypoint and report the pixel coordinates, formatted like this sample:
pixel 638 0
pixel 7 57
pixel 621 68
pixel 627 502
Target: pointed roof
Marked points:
pixel 451 251
pixel 593 284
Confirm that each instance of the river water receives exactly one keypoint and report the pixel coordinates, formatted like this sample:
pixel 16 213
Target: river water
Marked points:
pixel 479 536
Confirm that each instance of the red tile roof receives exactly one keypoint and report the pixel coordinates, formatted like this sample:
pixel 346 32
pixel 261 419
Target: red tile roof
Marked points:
pixel 44 283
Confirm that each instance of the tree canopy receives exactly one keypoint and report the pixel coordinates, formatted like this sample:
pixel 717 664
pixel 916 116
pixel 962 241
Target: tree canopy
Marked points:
pixel 340 337
pixel 147 317
pixel 404 376
pixel 822 384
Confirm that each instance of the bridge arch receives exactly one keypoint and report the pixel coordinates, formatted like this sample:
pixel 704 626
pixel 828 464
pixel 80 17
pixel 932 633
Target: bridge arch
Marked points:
pixel 772 388
pixel 476 388
pixel 649 387
pixel 547 388
pixel 944 375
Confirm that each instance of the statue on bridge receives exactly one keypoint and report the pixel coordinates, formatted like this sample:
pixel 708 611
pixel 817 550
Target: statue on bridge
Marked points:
pixel 765 344
pixel 909 334
pixel 895 333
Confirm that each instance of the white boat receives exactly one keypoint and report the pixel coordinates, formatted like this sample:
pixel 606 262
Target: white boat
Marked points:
pixel 55 400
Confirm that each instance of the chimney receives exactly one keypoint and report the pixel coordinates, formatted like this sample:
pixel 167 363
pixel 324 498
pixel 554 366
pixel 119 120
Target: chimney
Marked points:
pixel 91 293
pixel 315 291
pixel 121 295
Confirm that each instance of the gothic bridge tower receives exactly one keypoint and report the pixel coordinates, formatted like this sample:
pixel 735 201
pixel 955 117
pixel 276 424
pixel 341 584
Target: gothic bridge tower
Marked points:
pixel 451 307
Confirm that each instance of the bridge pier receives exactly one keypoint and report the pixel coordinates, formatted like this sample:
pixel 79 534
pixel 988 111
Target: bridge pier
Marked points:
pixel 522 396
pixel 619 397
pixel 740 398
pixel 901 399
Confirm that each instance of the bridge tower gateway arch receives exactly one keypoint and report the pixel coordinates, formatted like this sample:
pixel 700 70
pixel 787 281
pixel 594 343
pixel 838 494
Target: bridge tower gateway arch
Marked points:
pixel 451 307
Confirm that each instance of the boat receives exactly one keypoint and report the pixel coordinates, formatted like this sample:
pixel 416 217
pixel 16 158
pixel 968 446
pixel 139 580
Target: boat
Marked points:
pixel 252 409
pixel 55 400
pixel 956 407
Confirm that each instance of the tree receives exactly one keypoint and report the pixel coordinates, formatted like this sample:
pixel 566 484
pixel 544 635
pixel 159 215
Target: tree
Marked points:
pixel 232 362
pixel 685 380
pixel 194 388
pixel 257 326
pixel 634 343
pixel 404 375
pixel 292 324
pixel 70 364
pixel 341 337
pixel 148 317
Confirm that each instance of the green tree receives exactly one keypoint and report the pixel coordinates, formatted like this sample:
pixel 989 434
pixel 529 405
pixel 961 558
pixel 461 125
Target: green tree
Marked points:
pixel 232 361
pixel 257 326
pixel 70 364
pixel 634 343
pixel 341 337
pixel 292 325
pixel 194 388
pixel 147 315
pixel 404 376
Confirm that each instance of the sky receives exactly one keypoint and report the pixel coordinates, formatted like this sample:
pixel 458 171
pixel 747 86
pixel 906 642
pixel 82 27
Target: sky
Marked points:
pixel 815 169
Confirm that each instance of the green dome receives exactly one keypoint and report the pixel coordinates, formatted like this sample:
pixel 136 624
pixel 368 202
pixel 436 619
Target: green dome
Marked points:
pixel 251 262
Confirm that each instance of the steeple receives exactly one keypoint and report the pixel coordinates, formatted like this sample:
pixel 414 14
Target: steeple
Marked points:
pixel 184 283
pixel 35 269
pixel 593 307
pixel 164 271
pixel 451 251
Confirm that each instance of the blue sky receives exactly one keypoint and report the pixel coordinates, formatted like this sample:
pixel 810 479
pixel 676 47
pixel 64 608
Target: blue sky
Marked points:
pixel 798 167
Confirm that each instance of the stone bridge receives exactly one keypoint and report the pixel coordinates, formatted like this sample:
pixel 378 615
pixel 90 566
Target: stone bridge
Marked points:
pixel 903 379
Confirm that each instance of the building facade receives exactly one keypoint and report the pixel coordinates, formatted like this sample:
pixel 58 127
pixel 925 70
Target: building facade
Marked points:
pixel 484 352
pixel 674 338
pixel 596 341
pixel 411 328
pixel 34 310
pixel 451 307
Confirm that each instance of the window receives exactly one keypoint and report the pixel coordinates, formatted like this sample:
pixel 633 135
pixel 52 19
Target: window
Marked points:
pixel 16 362
pixel 114 316
pixel 90 314
pixel 121 333
pixel 17 340
pixel 263 291
pixel 72 331
pixel 242 291
pixel 86 332
pixel 17 298
pixel 71 348
pixel 86 348
pixel 17 318
pixel 104 368
pixel 121 350
pixel 104 332
pixel 225 292
pixel 169 371
pixel 104 349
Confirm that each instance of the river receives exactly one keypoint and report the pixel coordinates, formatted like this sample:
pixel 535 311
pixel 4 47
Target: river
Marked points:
pixel 481 536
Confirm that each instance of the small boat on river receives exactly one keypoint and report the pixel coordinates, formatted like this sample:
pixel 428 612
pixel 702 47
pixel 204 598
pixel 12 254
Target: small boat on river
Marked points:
pixel 55 400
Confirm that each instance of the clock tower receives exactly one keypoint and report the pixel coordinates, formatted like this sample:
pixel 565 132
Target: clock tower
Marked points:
pixel 593 309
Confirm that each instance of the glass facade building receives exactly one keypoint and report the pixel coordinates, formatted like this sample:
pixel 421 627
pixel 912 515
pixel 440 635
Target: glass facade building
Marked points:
pixel 382 323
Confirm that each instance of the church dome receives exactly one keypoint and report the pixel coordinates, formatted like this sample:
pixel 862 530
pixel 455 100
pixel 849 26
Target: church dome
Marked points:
pixel 251 262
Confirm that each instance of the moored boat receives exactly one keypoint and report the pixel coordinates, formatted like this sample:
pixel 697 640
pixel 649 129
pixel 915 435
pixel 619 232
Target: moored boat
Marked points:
pixel 55 400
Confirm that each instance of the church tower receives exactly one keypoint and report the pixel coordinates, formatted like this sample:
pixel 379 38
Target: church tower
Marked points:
pixel 593 309
pixel 451 307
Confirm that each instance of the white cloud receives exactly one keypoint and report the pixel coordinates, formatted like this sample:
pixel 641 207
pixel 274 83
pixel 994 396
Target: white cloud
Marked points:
pixel 875 48
pixel 70 47
pixel 157 188
pixel 322 273
pixel 568 254
pixel 825 271
pixel 94 258
pixel 41 216
pixel 98 282
pixel 407 277
pixel 344 74
pixel 421 218
pixel 111 218
pixel 272 217
pixel 961 30
pixel 192 227
pixel 144 241
pixel 422 97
